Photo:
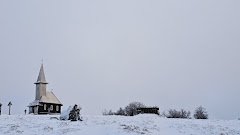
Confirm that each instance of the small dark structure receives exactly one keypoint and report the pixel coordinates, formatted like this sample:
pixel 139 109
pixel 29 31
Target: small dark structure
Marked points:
pixel 149 110
pixel 0 108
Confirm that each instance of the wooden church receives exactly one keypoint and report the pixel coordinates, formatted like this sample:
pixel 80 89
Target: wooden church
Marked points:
pixel 45 101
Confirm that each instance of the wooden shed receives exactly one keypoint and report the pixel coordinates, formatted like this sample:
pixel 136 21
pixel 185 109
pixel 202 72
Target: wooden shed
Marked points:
pixel 148 110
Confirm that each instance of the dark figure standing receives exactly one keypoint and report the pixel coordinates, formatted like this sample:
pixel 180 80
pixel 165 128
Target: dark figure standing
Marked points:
pixel 0 108
pixel 25 111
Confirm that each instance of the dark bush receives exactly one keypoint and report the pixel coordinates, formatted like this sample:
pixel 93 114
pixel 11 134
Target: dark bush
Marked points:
pixel 172 113
pixel 131 109
pixel 200 113
pixel 120 112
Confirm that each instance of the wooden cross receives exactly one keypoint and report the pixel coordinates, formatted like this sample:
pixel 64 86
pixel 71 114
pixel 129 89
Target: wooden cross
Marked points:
pixel 9 105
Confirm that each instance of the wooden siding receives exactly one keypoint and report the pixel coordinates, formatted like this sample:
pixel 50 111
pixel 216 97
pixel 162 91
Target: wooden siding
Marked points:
pixel 41 109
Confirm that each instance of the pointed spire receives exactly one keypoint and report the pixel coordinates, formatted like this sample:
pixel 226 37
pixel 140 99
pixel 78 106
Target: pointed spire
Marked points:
pixel 41 76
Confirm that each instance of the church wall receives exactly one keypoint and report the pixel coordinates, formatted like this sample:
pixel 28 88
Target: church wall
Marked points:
pixel 42 110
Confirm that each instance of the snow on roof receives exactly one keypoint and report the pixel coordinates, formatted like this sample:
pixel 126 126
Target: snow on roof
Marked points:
pixel 49 98
pixel 34 103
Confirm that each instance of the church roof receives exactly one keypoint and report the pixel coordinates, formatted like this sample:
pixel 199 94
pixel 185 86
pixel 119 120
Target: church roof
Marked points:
pixel 49 98
pixel 41 76
pixel 34 103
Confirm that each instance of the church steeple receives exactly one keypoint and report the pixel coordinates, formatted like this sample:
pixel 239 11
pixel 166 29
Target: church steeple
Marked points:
pixel 41 84
pixel 41 76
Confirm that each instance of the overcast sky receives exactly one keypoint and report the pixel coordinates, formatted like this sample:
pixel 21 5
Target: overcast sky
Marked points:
pixel 104 54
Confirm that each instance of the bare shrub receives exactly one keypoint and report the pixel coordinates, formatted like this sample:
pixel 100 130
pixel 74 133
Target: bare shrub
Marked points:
pixel 200 113
pixel 120 112
pixel 110 112
pixel 172 113
pixel 131 109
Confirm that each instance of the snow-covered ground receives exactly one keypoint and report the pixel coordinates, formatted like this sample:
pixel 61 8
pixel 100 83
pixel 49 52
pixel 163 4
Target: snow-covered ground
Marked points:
pixel 115 125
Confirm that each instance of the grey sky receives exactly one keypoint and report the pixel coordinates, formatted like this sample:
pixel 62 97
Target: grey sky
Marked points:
pixel 105 54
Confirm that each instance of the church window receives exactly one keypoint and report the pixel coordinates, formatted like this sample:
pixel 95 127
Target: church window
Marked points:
pixel 51 107
pixel 57 108
pixel 45 107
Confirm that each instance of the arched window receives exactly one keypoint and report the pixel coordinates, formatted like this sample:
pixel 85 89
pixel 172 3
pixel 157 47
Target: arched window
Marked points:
pixel 45 107
pixel 51 107
pixel 57 108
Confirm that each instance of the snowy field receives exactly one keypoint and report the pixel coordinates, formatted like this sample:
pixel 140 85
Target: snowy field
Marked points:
pixel 115 125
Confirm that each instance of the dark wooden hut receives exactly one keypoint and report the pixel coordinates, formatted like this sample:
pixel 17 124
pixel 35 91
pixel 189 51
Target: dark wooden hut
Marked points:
pixel 148 110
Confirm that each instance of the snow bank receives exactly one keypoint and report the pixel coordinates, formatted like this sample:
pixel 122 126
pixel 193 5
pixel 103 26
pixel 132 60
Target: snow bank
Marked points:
pixel 65 114
pixel 115 125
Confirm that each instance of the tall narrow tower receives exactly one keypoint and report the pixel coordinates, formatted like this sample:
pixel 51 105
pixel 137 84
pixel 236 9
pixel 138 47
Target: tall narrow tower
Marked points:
pixel 41 84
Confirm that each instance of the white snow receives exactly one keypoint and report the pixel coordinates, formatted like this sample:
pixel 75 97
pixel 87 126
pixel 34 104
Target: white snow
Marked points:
pixel 65 114
pixel 115 125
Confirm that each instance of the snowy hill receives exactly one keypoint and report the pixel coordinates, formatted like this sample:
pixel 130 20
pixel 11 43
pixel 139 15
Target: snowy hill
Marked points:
pixel 115 125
